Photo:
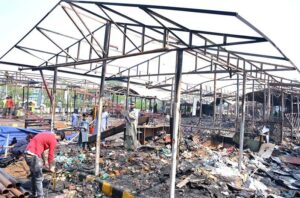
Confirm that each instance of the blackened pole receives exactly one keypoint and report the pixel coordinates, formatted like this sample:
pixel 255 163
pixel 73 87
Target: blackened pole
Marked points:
pixel 242 126
pixel 53 100
pixel 269 101
pixel 253 103
pixel 282 114
pixel 176 113
pixel 127 92
pixel 215 96
pixel 101 95
pixel 237 100
pixel 264 104
pixel 27 106
pixel 200 104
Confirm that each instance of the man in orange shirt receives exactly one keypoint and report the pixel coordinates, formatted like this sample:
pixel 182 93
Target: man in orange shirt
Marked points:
pixel 9 105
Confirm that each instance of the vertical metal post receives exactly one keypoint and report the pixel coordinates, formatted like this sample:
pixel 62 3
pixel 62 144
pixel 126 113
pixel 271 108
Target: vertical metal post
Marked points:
pixel 53 100
pixel 101 94
pixel 282 114
pixel 67 104
pixel 75 97
pixel 176 113
pixel 237 101
pixel 298 111
pixel 292 104
pixel 253 103
pixel 172 98
pixel 221 103
pixel 242 127
pixel 264 104
pixel 215 96
pixel 200 103
pixel 23 96
pixel 127 93
pixel 292 114
pixel 27 95
pixel 269 101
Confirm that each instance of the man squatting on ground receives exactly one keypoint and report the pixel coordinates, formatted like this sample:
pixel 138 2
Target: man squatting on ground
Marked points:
pixel 34 156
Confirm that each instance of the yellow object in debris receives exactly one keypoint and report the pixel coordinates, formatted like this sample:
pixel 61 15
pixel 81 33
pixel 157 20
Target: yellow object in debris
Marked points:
pixel 127 195
pixel 107 189
pixel 90 178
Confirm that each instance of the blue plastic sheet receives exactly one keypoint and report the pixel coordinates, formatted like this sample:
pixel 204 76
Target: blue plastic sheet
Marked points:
pixel 11 132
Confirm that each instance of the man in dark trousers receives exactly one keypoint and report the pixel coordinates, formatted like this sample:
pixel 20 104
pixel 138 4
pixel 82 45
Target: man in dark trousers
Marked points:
pixel 35 158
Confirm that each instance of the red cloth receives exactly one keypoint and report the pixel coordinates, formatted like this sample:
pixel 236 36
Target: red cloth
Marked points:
pixel 9 103
pixel 42 142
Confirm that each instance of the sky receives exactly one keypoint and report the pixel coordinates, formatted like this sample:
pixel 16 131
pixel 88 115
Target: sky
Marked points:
pixel 278 19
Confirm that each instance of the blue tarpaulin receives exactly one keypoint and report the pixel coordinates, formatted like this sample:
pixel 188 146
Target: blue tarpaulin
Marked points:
pixel 11 132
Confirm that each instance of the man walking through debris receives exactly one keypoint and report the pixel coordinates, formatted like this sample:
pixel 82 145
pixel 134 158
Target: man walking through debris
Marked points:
pixel 34 156
pixel 83 133
pixel 131 118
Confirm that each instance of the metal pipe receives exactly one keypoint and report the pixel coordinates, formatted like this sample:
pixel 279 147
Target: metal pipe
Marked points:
pixel 17 193
pixel 269 100
pixel 27 106
pixel 6 183
pixel 237 102
pixel 3 189
pixel 53 101
pixel 10 178
pixel 179 56
pixel 282 114
pixel 264 104
pixel 242 128
pixel 253 102
pixel 101 95
pixel 24 191
pixel 292 113
pixel 200 102
pixel 172 98
pixel 127 93
pixel 215 96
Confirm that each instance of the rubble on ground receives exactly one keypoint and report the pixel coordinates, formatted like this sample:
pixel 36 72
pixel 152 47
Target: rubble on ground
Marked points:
pixel 206 168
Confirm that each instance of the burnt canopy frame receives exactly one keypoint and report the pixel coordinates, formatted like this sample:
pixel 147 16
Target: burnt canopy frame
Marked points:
pixel 170 40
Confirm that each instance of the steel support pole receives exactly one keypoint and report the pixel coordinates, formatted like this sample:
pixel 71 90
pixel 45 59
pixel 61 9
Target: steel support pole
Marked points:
pixel 75 97
pixel 53 100
pixel 292 104
pixel 269 101
pixel 292 114
pixel 127 94
pixel 282 114
pixel 237 102
pixel 253 103
pixel 27 106
pixel 67 104
pixel 176 113
pixel 298 111
pixel 215 97
pixel 23 97
pixel 264 104
pixel 242 127
pixel 101 95
pixel 221 103
pixel 200 104
pixel 172 98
